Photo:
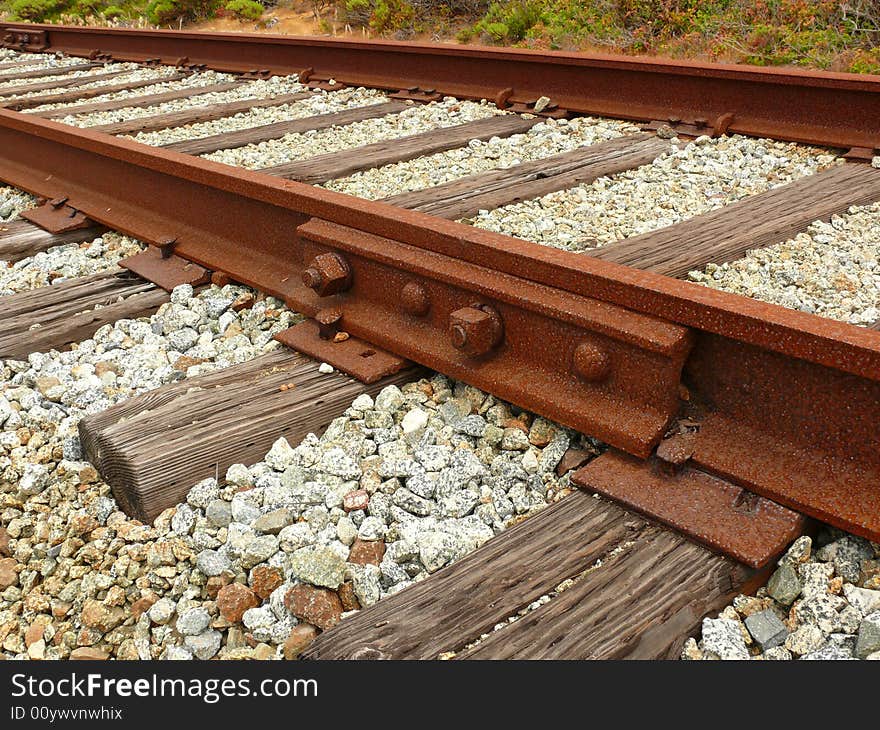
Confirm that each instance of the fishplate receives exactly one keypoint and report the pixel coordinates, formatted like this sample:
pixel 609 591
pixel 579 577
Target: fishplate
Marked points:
pixel 25 40
pixel 599 368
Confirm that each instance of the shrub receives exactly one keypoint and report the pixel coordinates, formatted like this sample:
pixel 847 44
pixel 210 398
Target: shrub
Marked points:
pixel 36 10
pixel 245 9
pixel 510 21
pixel 166 12
pixel 383 16
pixel 112 12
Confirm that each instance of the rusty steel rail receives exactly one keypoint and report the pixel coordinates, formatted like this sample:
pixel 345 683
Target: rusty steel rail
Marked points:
pixel 788 404
pixel 833 109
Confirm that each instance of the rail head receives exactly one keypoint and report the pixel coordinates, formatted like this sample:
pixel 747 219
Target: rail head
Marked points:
pixel 39 157
pixel 816 107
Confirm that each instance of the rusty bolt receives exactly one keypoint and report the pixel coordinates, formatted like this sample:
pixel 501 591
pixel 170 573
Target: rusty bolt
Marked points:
pixel 328 274
pixel 476 330
pixel 591 362
pixel 414 299
pixel 328 323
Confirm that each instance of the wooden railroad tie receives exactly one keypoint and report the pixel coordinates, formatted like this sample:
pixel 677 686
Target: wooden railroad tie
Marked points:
pixel 153 448
pixel 55 316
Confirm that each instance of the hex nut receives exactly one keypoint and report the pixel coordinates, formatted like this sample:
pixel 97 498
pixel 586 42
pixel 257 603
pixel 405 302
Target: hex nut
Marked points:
pixel 327 274
pixel 476 330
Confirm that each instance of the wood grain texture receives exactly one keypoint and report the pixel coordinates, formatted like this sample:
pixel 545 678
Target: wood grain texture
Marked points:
pixel 458 603
pixel 54 71
pixel 57 84
pixel 641 604
pixel 15 64
pixel 321 168
pixel 154 447
pixel 53 317
pixel 757 221
pixel 20 239
pixel 140 100
pixel 79 94
pixel 265 132
pixel 466 196
pixel 197 114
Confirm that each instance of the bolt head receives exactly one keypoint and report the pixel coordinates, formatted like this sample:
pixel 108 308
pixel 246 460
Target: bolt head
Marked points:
pixel 591 362
pixel 475 331
pixel 327 274
pixel 414 299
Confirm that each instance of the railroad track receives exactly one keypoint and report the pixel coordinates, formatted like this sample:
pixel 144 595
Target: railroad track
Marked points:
pixel 366 194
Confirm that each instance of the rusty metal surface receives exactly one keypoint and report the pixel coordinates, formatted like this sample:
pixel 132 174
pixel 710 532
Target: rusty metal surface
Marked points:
pixel 621 386
pixel 361 360
pixel 166 271
pixel 708 509
pixel 24 38
pixel 219 213
pixel 520 340
pixel 804 435
pixel 56 216
pixel 818 107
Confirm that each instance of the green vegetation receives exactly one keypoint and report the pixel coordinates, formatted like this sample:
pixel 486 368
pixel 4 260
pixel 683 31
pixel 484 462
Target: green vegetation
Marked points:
pixel 128 12
pixel 245 9
pixel 817 33
pixel 832 34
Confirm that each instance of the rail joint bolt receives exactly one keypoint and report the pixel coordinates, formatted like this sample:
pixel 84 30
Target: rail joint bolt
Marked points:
pixel 414 299
pixel 591 362
pixel 476 330
pixel 327 274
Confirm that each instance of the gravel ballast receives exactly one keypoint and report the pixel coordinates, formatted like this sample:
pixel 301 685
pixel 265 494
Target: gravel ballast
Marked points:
pixel 822 602
pixel 38 62
pixel 690 179
pixel 252 90
pixel 323 102
pixel 417 119
pixel 13 202
pixel 397 487
pixel 830 270
pixel 72 260
pixel 194 81
pixel 543 140
pixel 134 72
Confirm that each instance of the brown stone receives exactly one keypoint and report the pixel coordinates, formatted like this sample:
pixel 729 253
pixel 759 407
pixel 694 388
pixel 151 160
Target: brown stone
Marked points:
pixel 244 301
pixel 516 423
pixel 265 579
pixel 365 552
pixel 870 569
pixel 318 606
pixel 89 653
pixel 573 458
pixel 142 605
pixel 358 499
pixel 348 597
pixel 82 524
pixel 185 361
pixel 36 630
pixel 35 600
pixel 215 583
pixel 97 615
pixel 46 383
pixel 4 542
pixel 301 636
pixel 103 367
pixel 541 433
pixel 8 574
pixel 233 600
pixel 263 652
pixel 60 609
